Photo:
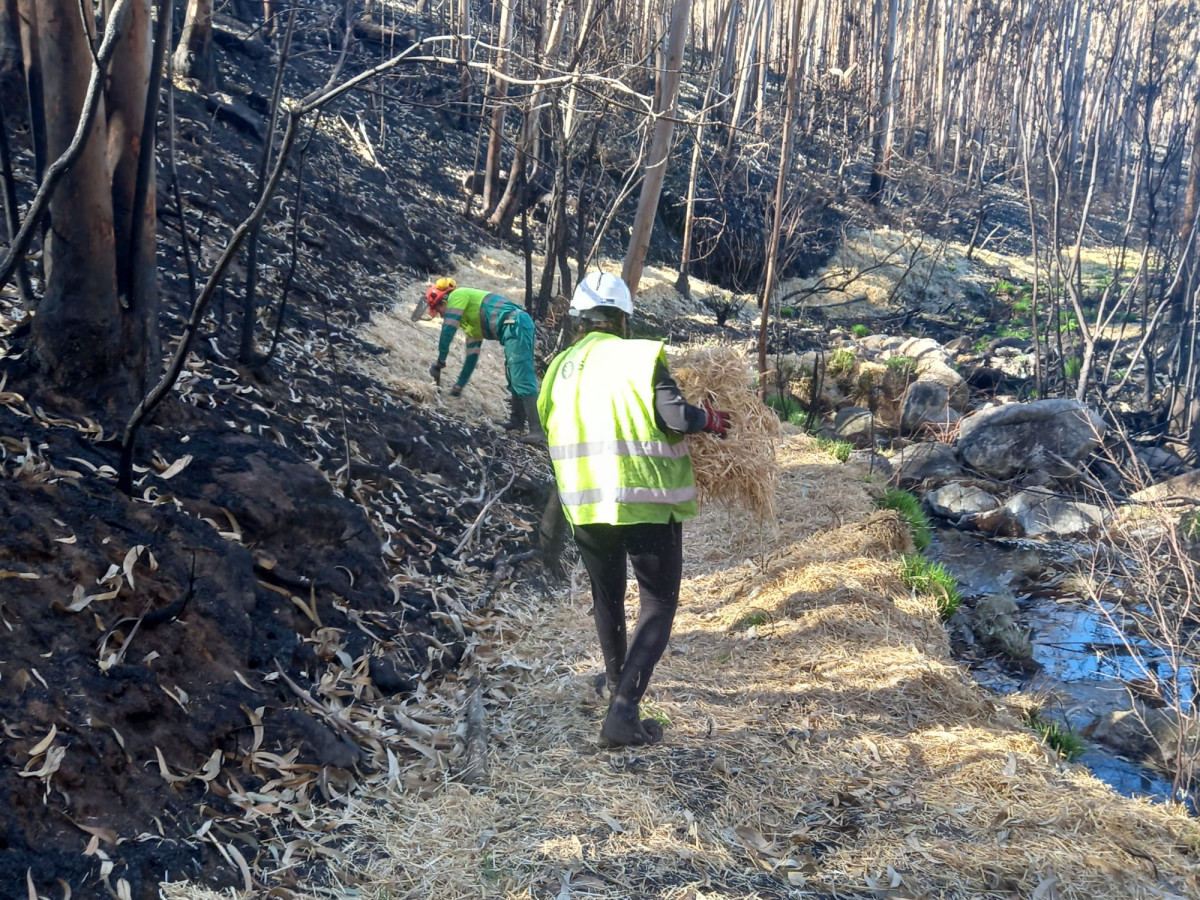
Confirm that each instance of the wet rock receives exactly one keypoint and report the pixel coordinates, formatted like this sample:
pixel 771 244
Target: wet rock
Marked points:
pixel 856 425
pixel 1047 435
pixel 925 462
pixel 1153 736
pixel 1042 514
pixel 955 500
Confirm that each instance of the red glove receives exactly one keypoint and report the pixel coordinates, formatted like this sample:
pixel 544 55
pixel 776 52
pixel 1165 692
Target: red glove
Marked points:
pixel 715 421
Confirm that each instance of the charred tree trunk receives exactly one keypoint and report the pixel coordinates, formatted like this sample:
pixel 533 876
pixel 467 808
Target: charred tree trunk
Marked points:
pixel 887 108
pixel 785 164
pixel 193 56
pixel 27 10
pixel 660 145
pixel 491 171
pixel 130 148
pixel 77 331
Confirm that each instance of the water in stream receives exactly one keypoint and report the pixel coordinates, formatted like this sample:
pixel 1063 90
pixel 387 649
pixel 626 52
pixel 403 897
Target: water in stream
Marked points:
pixel 1079 657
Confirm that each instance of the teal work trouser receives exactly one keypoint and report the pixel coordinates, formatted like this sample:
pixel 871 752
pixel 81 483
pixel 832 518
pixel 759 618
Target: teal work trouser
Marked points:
pixel 516 335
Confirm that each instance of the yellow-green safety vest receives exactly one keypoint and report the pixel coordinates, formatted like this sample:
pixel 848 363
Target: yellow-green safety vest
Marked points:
pixel 612 462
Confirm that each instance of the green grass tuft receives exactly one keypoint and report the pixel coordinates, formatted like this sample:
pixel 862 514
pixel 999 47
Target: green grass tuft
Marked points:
pixel 751 619
pixel 932 579
pixel 839 449
pixel 1064 741
pixel 650 711
pixel 860 330
pixel 841 360
pixel 785 407
pixel 914 513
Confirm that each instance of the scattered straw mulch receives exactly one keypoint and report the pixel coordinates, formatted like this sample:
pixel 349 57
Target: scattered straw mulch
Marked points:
pixel 819 744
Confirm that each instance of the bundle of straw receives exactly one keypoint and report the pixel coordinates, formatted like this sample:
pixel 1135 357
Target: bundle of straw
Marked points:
pixel 740 469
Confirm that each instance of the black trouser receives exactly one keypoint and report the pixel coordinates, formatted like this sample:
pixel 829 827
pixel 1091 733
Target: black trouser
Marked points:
pixel 656 552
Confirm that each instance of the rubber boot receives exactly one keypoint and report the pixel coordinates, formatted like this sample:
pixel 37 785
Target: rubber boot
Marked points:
pixel 516 414
pixel 622 728
pixel 536 434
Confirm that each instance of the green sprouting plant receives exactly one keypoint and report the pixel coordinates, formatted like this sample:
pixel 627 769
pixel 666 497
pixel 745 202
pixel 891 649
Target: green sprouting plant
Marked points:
pixel 1072 367
pixel 650 711
pixel 841 360
pixel 488 868
pixel 1064 741
pixel 913 512
pixel 724 305
pixel 932 579
pixel 839 449
pixel 981 345
pixel 860 330
pixel 787 312
pixel 1003 286
pixel 1189 525
pixel 751 619
pixel 785 407
pixel 1016 331
pixel 798 417
pixel 1022 305
pixel 905 364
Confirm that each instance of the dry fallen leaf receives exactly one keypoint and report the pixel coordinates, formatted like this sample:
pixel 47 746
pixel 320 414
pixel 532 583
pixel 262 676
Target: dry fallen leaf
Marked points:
pixel 176 467
pixel 45 742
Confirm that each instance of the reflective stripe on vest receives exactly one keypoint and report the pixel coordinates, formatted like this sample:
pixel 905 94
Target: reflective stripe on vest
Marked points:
pixel 494 311
pixel 627 495
pixel 660 449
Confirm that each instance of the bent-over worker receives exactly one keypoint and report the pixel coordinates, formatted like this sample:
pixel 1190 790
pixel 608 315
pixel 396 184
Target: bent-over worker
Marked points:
pixel 615 422
pixel 485 315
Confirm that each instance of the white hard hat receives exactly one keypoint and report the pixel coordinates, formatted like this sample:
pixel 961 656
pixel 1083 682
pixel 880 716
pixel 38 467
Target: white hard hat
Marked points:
pixel 600 290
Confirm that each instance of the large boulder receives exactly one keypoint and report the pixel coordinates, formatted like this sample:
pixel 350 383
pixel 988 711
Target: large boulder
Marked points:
pixel 924 463
pixel 1149 735
pixel 856 425
pixel 925 403
pixel 1042 514
pixel 933 369
pixel 957 499
pixel 1043 436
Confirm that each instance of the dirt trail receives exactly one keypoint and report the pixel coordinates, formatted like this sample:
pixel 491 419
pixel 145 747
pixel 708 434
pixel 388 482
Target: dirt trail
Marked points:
pixel 832 749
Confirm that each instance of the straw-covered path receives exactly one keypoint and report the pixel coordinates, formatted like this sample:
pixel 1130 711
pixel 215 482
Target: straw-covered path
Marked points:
pixel 833 749
pixel 819 743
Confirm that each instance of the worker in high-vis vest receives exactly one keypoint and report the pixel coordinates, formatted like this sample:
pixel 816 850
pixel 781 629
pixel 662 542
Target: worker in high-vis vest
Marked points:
pixel 483 314
pixel 615 424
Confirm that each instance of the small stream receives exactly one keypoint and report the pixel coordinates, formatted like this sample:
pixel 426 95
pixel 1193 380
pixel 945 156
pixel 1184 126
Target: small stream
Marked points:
pixel 1077 657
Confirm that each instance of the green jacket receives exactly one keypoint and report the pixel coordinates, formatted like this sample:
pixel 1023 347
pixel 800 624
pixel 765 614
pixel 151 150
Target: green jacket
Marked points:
pixel 612 462
pixel 480 314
